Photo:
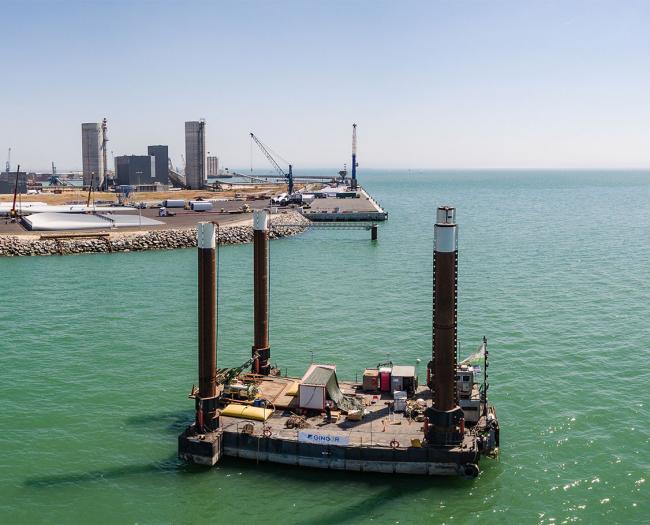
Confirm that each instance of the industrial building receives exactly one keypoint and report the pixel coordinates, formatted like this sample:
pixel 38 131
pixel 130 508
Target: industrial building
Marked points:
pixel 135 170
pixel 91 154
pixel 195 168
pixel 161 154
pixel 8 182
pixel 213 166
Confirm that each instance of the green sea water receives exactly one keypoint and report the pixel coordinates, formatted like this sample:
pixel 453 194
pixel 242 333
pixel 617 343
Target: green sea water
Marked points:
pixel 98 354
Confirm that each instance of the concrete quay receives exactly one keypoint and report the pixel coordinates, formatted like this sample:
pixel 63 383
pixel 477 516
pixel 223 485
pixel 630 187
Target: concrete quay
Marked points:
pixel 332 209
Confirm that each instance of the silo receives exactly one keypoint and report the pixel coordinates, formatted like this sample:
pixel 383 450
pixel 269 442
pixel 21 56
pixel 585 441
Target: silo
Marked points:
pixel 91 154
pixel 161 153
pixel 195 172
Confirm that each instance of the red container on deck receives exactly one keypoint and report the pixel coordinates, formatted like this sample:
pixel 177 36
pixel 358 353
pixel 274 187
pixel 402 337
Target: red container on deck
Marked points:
pixel 384 379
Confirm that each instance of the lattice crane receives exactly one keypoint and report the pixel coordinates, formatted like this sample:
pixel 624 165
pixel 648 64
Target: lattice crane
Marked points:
pixel 287 176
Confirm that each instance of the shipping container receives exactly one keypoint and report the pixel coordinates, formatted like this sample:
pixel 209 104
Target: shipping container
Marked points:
pixel 384 379
pixel 371 380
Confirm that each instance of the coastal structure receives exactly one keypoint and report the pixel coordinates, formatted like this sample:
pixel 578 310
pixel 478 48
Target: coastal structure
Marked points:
pixel 387 423
pixel 195 168
pixel 91 154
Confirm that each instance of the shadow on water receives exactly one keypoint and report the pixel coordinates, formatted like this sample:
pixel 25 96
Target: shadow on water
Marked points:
pixel 166 466
pixel 384 488
pixel 170 422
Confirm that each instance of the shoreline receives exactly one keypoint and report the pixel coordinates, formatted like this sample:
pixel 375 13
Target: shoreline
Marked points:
pixel 239 232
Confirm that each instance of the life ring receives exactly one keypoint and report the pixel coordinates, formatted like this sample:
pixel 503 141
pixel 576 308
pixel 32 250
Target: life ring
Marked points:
pixel 267 432
pixel 394 444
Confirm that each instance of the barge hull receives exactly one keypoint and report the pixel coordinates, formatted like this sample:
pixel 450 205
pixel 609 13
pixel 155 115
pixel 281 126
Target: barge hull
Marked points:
pixel 402 460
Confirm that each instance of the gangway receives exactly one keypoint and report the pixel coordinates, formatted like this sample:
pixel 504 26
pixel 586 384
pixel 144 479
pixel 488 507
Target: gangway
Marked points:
pixel 372 226
pixel 176 178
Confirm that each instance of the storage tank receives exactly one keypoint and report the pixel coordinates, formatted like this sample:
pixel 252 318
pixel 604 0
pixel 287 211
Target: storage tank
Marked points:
pixel 201 205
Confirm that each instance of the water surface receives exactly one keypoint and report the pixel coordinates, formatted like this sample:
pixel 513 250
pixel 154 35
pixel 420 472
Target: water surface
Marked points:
pixel 98 354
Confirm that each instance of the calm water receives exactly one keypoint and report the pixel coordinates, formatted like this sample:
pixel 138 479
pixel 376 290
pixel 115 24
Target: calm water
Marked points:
pixel 98 356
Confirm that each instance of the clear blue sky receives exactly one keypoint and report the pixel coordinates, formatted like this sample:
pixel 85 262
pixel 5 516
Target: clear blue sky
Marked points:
pixel 431 84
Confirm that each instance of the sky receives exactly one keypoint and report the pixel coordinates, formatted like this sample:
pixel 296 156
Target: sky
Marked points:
pixel 430 84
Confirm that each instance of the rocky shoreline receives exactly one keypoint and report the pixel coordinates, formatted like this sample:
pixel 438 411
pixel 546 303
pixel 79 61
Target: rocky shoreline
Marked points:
pixel 15 245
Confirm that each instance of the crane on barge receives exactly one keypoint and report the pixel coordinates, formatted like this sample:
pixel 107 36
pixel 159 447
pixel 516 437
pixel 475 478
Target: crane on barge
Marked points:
pixel 286 175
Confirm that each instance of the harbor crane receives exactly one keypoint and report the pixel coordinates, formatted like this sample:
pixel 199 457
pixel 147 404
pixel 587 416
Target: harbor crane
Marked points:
pixel 54 179
pixel 288 176
pixel 8 164
pixel 13 213
pixel 355 164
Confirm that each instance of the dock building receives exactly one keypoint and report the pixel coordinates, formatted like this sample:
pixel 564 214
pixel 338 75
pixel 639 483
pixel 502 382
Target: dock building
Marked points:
pixel 91 154
pixel 135 170
pixel 8 182
pixel 195 158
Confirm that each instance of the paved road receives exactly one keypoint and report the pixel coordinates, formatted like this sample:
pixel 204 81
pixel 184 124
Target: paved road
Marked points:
pixel 183 218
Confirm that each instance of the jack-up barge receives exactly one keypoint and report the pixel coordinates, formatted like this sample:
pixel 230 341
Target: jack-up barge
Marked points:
pixel 386 423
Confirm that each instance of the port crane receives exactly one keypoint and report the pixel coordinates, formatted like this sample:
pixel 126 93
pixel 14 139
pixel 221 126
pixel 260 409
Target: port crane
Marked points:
pixel 54 179
pixel 8 164
pixel 13 211
pixel 287 176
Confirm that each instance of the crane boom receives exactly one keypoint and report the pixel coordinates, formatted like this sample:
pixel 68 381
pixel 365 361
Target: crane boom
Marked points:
pixel 13 212
pixel 288 176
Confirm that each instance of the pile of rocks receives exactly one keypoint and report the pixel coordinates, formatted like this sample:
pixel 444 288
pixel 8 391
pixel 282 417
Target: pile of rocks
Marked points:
pixel 282 225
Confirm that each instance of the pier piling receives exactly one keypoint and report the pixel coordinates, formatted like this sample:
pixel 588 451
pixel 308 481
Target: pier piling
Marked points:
pixel 261 346
pixel 206 411
pixel 445 416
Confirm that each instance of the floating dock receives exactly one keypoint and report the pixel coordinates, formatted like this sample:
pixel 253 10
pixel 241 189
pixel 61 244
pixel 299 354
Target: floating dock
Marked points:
pixel 386 423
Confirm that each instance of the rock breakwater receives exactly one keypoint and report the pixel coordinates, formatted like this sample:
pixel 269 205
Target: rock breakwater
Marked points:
pixel 282 225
